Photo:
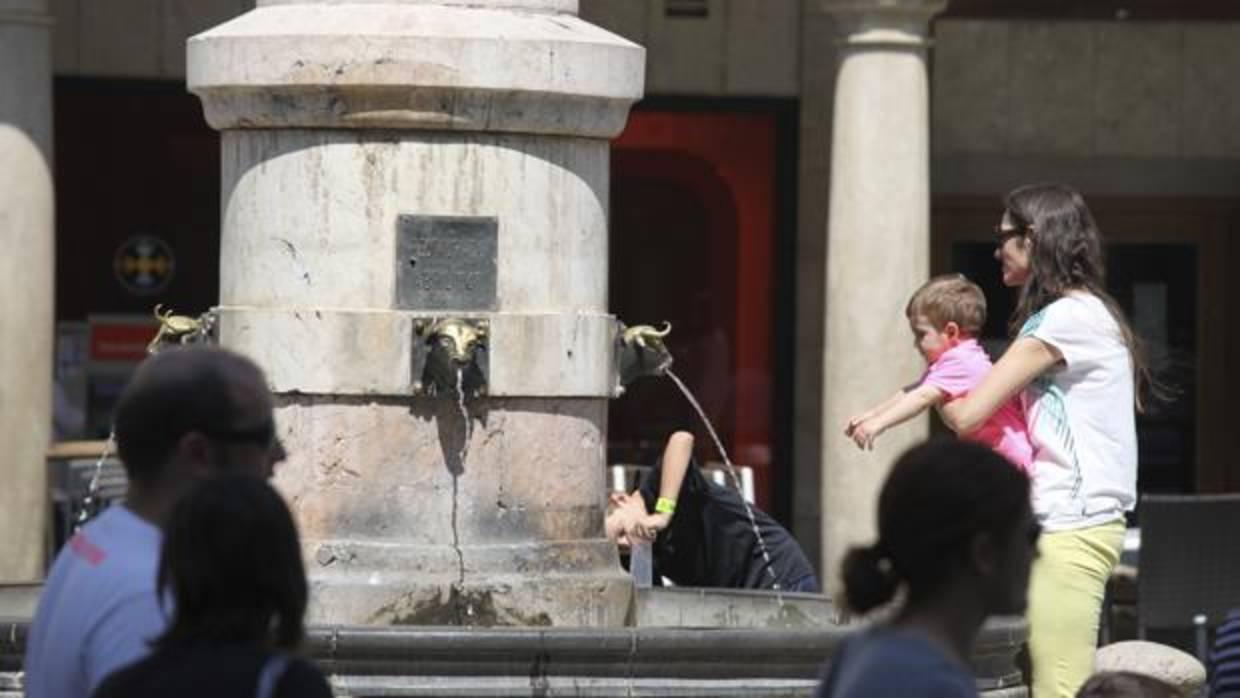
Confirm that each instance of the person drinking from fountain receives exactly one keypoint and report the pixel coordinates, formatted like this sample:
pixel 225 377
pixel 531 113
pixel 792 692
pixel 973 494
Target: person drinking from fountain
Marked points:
pixel 703 534
pixel 946 314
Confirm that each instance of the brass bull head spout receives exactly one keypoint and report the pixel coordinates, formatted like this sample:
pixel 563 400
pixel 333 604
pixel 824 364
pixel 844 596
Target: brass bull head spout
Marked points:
pixel 640 351
pixel 453 346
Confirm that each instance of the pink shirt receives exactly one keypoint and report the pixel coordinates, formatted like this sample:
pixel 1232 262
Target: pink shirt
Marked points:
pixel 959 370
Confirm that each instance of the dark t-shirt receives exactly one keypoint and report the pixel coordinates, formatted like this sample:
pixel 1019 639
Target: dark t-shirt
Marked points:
pixel 886 662
pixel 210 672
pixel 710 542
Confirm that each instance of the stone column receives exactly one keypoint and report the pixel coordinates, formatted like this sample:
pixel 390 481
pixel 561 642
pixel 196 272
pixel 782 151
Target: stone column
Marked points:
pixel 878 249
pixel 26 290
pixel 351 133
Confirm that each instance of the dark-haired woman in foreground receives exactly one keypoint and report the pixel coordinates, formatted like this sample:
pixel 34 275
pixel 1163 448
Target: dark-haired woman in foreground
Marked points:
pixel 956 538
pixel 231 564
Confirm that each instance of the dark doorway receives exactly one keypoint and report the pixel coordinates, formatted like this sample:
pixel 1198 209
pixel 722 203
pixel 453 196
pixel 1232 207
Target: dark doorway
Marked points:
pixel 697 239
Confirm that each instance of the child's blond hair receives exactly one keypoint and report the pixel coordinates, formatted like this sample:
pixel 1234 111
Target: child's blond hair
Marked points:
pixel 950 298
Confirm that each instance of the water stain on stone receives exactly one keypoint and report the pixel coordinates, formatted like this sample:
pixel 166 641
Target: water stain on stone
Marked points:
pixel 462 607
pixel 791 617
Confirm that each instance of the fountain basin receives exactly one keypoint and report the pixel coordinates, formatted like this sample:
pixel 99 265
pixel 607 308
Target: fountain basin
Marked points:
pixel 697 607
pixel 766 650
pixel 995 657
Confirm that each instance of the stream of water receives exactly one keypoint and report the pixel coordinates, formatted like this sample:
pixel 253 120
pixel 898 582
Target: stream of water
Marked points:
pixel 468 429
pixel 736 481
pixel 88 503
pixel 460 403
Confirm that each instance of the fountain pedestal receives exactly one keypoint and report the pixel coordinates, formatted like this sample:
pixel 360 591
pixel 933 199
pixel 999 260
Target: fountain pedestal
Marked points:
pixel 389 162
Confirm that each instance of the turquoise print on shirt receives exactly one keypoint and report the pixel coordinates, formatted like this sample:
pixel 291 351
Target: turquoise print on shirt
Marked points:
pixel 1051 422
pixel 1032 324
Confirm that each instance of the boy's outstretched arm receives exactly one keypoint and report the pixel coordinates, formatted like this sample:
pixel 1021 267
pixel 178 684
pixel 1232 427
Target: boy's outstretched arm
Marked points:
pixel 676 457
pixel 884 405
pixel 910 404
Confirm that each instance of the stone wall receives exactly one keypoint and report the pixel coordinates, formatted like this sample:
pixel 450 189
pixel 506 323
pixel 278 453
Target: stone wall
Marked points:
pixel 1014 88
pixel 1114 107
pixel 1087 89
pixel 739 48
pixel 132 38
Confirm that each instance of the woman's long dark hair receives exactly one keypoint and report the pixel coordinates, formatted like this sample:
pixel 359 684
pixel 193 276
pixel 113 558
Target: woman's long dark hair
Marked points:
pixel 937 498
pixel 232 565
pixel 1066 254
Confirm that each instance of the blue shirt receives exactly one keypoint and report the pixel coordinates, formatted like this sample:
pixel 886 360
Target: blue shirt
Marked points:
pixel 99 608
pixel 1225 660
pixel 888 662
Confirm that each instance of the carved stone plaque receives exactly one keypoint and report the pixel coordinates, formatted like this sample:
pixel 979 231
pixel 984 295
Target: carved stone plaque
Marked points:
pixel 445 262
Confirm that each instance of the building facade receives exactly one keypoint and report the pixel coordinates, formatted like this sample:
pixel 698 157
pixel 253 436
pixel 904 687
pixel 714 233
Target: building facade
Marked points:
pixel 734 213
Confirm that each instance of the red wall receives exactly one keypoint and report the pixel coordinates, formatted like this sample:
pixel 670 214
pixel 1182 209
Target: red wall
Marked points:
pixel 722 167
pixel 133 158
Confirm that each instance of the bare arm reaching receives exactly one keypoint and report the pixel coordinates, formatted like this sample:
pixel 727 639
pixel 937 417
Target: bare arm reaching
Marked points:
pixel 877 409
pixel 909 405
pixel 1025 360
pixel 676 457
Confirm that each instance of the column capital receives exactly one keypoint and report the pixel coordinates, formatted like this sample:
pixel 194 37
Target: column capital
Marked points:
pixel 889 23
pixel 555 6
pixel 408 64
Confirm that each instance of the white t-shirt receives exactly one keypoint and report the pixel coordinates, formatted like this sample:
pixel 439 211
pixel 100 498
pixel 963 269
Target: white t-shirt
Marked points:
pixel 1081 417
pixel 98 609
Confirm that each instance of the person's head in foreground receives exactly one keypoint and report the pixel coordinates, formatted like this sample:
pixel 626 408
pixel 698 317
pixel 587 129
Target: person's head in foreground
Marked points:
pixel 232 566
pixel 955 531
pixel 189 414
pixel 956 539
pixel 1126 684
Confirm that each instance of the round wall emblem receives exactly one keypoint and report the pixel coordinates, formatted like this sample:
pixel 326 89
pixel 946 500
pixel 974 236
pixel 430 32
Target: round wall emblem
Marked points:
pixel 144 264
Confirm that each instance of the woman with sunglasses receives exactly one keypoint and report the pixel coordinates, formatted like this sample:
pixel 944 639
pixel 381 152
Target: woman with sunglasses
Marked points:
pixel 1078 370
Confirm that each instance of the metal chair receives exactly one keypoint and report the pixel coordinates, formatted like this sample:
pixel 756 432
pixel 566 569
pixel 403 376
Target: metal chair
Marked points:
pixel 624 477
pixel 718 474
pixel 1189 573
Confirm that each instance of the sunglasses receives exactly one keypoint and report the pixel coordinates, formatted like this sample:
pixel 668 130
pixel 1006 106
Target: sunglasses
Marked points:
pixel 1002 234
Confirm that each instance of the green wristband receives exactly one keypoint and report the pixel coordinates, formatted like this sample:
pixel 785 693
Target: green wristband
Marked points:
pixel 663 505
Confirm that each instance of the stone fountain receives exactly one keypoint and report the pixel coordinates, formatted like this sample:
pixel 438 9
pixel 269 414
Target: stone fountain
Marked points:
pixel 412 187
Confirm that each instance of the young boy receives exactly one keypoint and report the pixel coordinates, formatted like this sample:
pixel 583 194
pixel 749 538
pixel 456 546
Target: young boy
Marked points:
pixel 946 314
pixel 701 532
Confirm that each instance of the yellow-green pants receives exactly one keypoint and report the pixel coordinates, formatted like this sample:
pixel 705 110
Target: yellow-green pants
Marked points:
pixel 1066 587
